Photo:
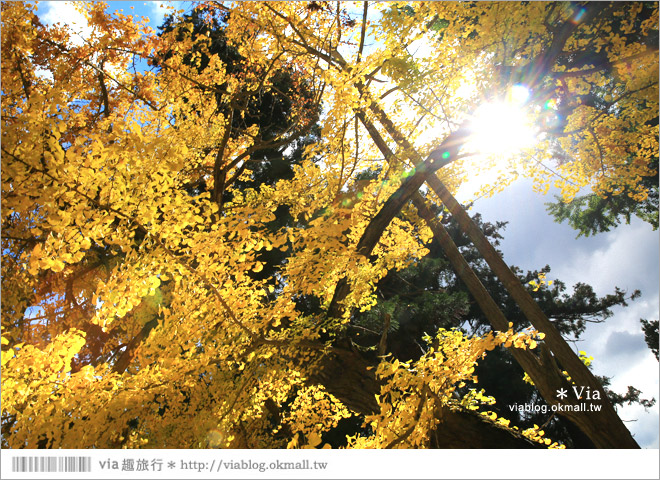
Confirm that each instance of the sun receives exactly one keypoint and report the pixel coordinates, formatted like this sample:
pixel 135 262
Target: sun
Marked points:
pixel 499 133
pixel 503 127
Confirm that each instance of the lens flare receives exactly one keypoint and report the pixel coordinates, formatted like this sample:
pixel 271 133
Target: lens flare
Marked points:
pixel 214 438
pixel 579 15
pixel 518 95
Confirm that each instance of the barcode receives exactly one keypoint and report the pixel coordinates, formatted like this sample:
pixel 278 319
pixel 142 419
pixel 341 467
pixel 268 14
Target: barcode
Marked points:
pixel 51 464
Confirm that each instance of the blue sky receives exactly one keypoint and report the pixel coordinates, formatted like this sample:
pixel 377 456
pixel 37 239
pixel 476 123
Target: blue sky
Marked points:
pixel 627 257
pixel 52 12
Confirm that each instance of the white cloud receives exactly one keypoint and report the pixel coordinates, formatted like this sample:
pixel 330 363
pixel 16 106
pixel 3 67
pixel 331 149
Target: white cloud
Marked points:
pixel 66 13
pixel 629 260
pixel 620 352
pixel 627 257
pixel 44 73
pixel 645 428
pixel 158 11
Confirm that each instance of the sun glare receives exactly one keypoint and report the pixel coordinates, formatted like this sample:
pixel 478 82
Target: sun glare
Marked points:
pixel 502 127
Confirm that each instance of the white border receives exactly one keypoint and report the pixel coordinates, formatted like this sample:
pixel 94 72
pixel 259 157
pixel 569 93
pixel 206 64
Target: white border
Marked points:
pixel 363 464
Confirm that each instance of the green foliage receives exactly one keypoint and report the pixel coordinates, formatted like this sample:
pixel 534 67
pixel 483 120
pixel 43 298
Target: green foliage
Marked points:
pixel 439 24
pixel 428 294
pixel 591 214
pixel 631 396
pixel 650 328
pixel 417 305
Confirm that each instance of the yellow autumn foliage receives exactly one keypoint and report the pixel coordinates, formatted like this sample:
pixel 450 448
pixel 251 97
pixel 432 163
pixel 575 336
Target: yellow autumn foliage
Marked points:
pixel 137 307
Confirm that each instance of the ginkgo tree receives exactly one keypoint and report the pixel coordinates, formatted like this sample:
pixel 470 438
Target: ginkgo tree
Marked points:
pixel 133 227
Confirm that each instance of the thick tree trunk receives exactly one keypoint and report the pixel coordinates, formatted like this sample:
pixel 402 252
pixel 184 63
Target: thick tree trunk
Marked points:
pixel 371 236
pixel 603 427
pixel 543 371
pixel 350 378
pixel 469 430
